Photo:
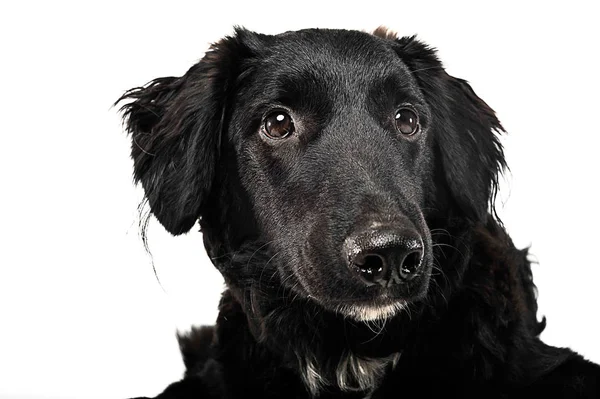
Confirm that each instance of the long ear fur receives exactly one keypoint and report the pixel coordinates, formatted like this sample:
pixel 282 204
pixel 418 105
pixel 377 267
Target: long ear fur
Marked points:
pixel 175 125
pixel 464 127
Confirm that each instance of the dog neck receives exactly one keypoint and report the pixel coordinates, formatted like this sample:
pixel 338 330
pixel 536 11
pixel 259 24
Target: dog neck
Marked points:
pixel 324 350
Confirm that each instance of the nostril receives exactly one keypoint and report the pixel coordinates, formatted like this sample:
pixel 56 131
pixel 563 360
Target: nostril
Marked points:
pixel 371 267
pixel 384 256
pixel 410 264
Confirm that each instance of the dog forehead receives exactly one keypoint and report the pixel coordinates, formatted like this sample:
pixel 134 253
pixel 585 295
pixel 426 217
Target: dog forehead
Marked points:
pixel 331 54
pixel 338 65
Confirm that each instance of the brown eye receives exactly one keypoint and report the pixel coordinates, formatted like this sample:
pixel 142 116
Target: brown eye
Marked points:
pixel 407 121
pixel 278 125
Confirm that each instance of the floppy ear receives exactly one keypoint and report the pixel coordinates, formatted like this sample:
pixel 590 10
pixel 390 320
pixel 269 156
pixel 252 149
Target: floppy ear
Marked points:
pixel 464 128
pixel 176 125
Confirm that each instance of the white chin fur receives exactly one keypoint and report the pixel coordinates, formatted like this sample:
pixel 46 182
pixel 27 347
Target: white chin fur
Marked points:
pixel 371 312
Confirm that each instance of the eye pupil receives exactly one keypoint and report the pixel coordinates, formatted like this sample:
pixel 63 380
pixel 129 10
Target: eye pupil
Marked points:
pixel 407 121
pixel 278 125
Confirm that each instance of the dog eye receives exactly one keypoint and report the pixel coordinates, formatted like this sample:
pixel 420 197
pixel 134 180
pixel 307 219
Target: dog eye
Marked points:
pixel 278 125
pixel 407 121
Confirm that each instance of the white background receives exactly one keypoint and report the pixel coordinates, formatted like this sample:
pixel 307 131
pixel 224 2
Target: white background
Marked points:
pixel 81 313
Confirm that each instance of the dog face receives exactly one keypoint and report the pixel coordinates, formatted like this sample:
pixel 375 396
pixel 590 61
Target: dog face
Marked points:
pixel 332 146
pixel 335 150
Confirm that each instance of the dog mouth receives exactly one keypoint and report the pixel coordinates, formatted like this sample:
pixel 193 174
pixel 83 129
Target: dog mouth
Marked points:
pixel 376 302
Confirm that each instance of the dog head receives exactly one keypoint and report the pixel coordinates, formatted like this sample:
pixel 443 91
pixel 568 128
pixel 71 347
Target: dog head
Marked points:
pixel 331 151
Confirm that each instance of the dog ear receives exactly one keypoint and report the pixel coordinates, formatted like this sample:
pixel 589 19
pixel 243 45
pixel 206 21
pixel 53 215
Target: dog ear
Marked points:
pixel 465 131
pixel 175 124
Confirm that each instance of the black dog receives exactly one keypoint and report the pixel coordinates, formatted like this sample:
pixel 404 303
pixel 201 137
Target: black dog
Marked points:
pixel 344 184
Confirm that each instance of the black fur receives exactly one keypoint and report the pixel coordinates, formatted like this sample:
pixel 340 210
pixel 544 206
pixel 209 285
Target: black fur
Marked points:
pixel 275 213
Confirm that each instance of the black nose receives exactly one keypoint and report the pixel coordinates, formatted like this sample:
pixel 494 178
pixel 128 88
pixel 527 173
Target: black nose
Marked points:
pixel 384 256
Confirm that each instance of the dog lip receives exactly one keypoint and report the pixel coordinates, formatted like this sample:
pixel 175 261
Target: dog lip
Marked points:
pixel 383 300
pixel 372 296
pixel 368 311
